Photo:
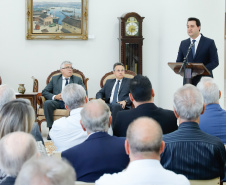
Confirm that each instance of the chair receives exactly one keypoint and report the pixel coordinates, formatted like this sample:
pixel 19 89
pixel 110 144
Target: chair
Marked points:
pixel 58 113
pixel 215 181
pixel 110 75
pixel 56 154
pixel 83 183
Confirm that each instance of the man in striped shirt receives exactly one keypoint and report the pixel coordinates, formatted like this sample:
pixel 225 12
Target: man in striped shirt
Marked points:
pixel 189 151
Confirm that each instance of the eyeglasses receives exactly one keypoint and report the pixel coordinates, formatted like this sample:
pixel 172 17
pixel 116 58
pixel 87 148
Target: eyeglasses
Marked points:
pixel 67 68
pixel 119 70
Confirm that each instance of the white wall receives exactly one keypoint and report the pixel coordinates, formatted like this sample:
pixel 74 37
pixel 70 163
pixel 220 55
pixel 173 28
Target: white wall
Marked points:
pixel 164 27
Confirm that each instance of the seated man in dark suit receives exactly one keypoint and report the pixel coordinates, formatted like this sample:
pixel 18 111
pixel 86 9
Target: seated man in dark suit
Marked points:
pixel 116 91
pixel 52 91
pixel 100 153
pixel 189 151
pixel 142 96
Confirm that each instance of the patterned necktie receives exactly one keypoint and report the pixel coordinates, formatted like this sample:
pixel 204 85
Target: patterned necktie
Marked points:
pixel 66 81
pixel 116 92
pixel 193 49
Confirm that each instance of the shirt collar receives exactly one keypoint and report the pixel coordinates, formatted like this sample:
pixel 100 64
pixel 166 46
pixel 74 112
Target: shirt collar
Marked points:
pixel 63 78
pixel 197 39
pixel 189 125
pixel 119 80
pixel 76 111
pixel 145 162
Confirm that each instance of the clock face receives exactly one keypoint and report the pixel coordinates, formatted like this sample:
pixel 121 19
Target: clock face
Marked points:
pixel 132 27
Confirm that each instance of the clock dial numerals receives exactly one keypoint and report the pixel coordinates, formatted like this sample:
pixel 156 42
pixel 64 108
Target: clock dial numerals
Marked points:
pixel 132 29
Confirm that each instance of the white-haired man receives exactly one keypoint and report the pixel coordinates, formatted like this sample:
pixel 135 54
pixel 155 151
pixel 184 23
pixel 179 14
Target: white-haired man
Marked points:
pixel 52 91
pixel 213 121
pixel 15 149
pixel 46 171
pixel 100 153
pixel 144 145
pixel 189 151
pixel 67 131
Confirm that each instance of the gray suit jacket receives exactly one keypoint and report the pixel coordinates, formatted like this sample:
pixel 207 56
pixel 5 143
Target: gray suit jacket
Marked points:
pixel 54 87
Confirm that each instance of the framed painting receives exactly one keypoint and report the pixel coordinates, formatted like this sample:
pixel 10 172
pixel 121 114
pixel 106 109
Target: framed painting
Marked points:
pixel 57 19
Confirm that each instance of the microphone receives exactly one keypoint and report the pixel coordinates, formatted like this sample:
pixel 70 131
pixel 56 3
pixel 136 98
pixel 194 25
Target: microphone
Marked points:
pixel 191 45
pixel 185 62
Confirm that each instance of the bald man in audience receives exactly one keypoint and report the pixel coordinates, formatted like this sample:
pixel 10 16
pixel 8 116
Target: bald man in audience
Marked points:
pixel 144 145
pixel 46 171
pixel 190 151
pixel 142 96
pixel 15 149
pixel 100 153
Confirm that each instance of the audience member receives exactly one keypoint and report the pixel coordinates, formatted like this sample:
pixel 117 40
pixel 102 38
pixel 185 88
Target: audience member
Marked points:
pixel 18 115
pixel 46 171
pixel 189 151
pixel 213 121
pixel 7 94
pixel 144 145
pixel 67 131
pixel 52 91
pixel 116 91
pixel 100 153
pixel 15 149
pixel 142 96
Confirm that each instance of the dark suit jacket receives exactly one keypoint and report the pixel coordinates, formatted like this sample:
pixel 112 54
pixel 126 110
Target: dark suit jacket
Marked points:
pixel 206 53
pixel 165 118
pixel 123 94
pixel 9 181
pixel 99 154
pixel 54 87
pixel 193 153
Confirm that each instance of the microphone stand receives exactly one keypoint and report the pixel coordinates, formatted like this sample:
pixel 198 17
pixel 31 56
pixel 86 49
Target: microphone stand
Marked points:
pixel 185 62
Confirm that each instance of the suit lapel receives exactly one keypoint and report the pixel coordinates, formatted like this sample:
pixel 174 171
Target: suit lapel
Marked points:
pixel 59 83
pixel 112 84
pixel 71 80
pixel 122 85
pixel 201 43
pixel 190 57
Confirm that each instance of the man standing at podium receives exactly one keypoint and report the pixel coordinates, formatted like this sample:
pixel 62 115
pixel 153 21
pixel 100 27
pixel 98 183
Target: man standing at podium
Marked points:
pixel 203 51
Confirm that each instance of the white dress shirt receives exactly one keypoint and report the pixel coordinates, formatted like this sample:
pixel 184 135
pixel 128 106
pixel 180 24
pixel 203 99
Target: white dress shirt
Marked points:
pixel 67 132
pixel 63 85
pixel 113 90
pixel 143 172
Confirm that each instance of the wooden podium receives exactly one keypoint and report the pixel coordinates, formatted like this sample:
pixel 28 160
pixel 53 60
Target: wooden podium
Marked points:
pixel 191 70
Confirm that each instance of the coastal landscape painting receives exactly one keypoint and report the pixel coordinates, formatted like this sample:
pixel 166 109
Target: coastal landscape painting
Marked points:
pixel 57 19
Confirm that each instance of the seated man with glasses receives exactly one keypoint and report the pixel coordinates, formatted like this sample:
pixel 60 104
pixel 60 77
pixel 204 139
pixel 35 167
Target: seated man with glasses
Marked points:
pixel 52 91
pixel 116 91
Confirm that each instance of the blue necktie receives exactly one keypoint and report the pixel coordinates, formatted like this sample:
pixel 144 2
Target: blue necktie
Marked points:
pixel 193 49
pixel 66 81
pixel 116 92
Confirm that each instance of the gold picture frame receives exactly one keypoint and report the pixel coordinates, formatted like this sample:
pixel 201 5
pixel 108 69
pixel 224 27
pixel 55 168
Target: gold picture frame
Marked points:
pixel 57 19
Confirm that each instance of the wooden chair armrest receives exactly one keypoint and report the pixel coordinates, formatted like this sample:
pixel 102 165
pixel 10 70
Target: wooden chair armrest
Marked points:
pixel 41 100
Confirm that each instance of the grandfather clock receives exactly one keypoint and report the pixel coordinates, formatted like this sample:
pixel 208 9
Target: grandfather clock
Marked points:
pixel 131 41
